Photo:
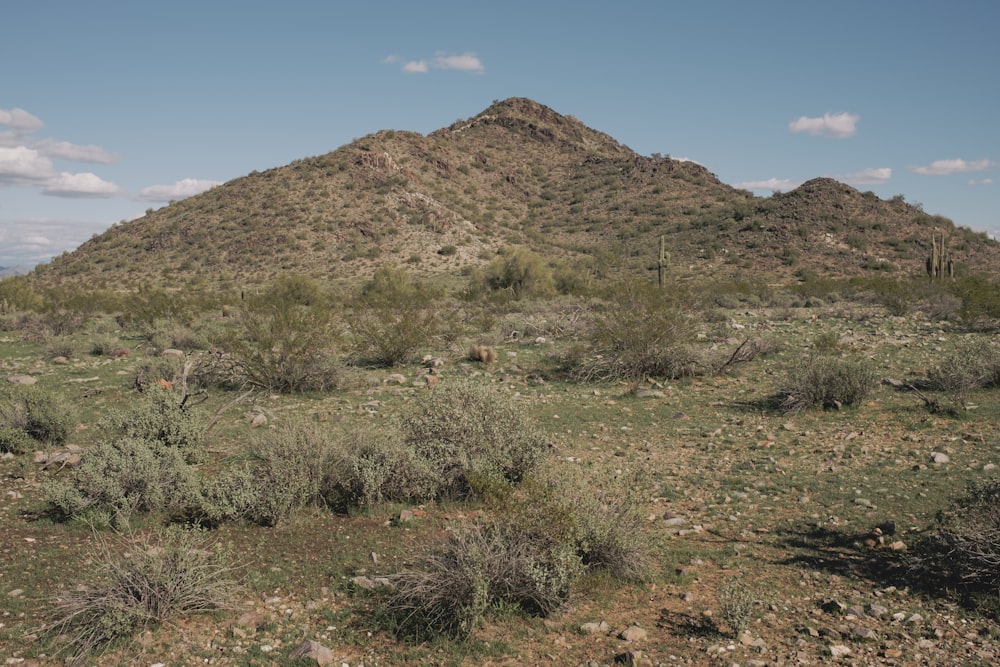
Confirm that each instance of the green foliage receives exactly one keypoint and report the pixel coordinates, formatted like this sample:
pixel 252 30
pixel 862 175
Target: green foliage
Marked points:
pixel 393 318
pixel 288 468
pixel 376 467
pixel 826 381
pixel 120 477
pixel 286 347
pixel 466 431
pixel 972 365
pixel 736 606
pixel 16 294
pixel 980 297
pixel 521 273
pixel 162 416
pixel 640 334
pixel 30 416
pixel 141 581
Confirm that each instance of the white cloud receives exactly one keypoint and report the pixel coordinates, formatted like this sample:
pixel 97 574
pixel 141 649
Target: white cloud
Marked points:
pixel 836 125
pixel 877 176
pixel 186 187
pixel 772 184
pixel 83 185
pixel 982 181
pixel 29 241
pixel 19 119
pixel 67 151
pixel 21 165
pixel 415 67
pixel 948 167
pixel 465 62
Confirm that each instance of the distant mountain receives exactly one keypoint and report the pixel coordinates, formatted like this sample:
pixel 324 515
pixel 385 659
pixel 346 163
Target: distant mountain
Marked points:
pixel 516 174
pixel 19 270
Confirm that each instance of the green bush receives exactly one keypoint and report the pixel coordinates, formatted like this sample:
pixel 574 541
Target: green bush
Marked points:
pixel 488 565
pixel 118 478
pixel 736 606
pixel 640 334
pixel 376 467
pixel 970 366
pixel 521 273
pixel 141 581
pixel 288 468
pixel 466 431
pixel 161 416
pixel 286 347
pixel 393 318
pixel 30 416
pixel 828 382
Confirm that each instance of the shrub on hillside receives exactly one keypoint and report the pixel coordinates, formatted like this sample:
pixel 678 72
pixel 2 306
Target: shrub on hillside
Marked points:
pixel 393 318
pixel 30 416
pixel 826 381
pixel 287 468
pixel 120 477
pixel 373 467
pixel 286 347
pixel 640 334
pixel 162 416
pixel 141 581
pixel 489 565
pixel 520 273
pixel 467 432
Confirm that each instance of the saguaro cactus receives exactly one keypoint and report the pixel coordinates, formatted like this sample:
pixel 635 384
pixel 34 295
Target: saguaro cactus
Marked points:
pixel 939 264
pixel 664 262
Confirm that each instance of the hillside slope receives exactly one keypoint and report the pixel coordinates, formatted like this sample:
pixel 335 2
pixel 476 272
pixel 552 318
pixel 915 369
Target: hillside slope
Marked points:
pixel 516 174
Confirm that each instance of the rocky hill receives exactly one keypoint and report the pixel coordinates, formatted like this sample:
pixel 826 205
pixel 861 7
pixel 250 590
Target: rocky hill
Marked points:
pixel 516 174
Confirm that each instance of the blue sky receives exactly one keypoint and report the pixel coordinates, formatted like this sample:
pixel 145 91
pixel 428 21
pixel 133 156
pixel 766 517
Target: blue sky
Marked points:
pixel 108 108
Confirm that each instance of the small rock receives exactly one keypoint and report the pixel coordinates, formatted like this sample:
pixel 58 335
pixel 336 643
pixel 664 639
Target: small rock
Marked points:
pixel 859 632
pixel 632 633
pixel 395 378
pixel 629 658
pixel 313 650
pixel 675 521
pixel 171 352
pixel 877 610
pixel 898 545
pixel 595 628
pixel 405 516
pixel 839 650
pixel 258 420
pixel 939 457
pixel 856 610
pixel 21 379
pixel 915 619
pixel 16 593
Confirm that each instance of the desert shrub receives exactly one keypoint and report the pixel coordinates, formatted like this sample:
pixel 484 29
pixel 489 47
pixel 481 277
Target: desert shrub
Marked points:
pixel 828 341
pixel 162 416
pixel 120 477
pixel 971 365
pixel 371 468
pixel 287 468
pixel 393 318
pixel 466 430
pixel 286 347
pixel 31 416
pixel 736 606
pixel 141 581
pixel 61 346
pixel 980 297
pixel 826 381
pixel 488 565
pixel 640 334
pixel 521 273
pixel 962 553
pixel 16 294
pixel 294 289
pixel 601 521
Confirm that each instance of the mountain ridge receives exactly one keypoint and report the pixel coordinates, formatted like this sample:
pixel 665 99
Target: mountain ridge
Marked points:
pixel 517 173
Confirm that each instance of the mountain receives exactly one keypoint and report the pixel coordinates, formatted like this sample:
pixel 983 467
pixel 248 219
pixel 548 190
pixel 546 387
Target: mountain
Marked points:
pixel 7 271
pixel 518 173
